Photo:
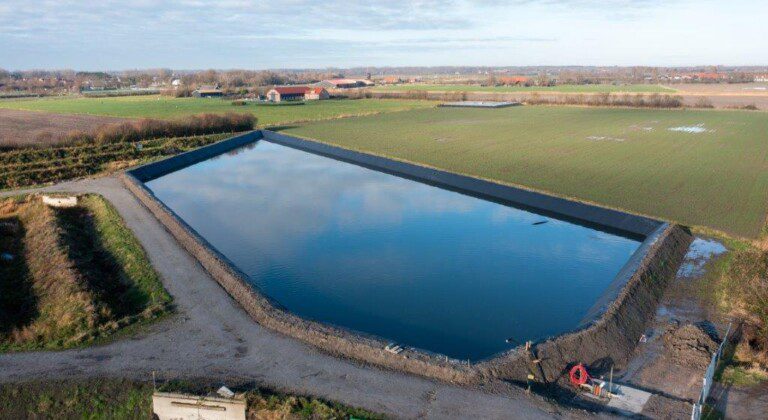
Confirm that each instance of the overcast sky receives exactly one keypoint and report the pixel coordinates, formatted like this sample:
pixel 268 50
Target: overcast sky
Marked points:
pixel 196 34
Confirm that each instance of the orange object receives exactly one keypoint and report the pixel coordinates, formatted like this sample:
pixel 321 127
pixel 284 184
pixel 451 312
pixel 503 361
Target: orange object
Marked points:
pixel 579 375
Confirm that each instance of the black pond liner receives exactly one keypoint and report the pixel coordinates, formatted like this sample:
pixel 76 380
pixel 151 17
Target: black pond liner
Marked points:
pixel 639 228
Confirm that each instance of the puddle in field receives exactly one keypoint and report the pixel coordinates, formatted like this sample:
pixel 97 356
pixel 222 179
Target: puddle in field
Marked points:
pixel 693 129
pixel 604 138
pixel 700 251
pixel 647 127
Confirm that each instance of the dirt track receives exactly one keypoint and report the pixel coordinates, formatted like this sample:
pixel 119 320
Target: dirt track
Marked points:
pixel 24 128
pixel 211 336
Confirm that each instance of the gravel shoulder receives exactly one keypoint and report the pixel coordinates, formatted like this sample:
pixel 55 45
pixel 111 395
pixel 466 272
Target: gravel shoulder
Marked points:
pixel 211 336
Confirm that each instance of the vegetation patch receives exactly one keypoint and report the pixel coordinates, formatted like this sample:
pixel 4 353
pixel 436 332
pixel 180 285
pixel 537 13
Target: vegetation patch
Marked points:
pixel 743 375
pixel 91 399
pixel 31 166
pixel 738 285
pixel 127 131
pixel 147 128
pixel 717 179
pixel 77 275
pixel 40 129
pixel 126 399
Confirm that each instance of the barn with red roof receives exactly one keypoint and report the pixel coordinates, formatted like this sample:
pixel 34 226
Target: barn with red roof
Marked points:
pixel 296 93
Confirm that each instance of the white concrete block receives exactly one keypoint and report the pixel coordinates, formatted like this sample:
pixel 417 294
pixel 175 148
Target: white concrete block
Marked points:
pixel 170 406
pixel 63 202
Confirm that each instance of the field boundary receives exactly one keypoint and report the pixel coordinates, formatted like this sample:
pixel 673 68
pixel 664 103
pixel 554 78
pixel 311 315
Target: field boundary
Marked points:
pixel 637 292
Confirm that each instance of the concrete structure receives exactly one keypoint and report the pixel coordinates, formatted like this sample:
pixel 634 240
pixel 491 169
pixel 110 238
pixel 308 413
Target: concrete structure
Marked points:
pixel 171 406
pixel 628 401
pixel 296 93
pixel 61 202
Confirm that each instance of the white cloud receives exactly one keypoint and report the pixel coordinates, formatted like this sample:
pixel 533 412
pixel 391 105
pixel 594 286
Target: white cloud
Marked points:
pixel 302 33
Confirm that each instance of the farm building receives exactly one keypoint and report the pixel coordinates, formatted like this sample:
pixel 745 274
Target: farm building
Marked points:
pixel 207 92
pixel 316 93
pixel 344 83
pixel 296 93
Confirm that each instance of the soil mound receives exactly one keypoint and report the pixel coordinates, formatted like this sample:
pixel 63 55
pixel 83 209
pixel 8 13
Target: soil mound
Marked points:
pixel 690 345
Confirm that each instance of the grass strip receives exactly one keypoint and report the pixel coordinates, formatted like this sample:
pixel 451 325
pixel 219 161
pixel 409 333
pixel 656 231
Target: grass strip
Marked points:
pixel 78 276
pixel 125 399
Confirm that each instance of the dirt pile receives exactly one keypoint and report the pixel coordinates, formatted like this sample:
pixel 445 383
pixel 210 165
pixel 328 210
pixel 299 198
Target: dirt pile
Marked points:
pixel 690 345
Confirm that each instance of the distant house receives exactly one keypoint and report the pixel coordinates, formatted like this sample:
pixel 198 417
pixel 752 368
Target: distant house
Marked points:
pixel 704 77
pixel 390 80
pixel 316 93
pixel 207 92
pixel 176 83
pixel 297 93
pixel 761 77
pixel 514 81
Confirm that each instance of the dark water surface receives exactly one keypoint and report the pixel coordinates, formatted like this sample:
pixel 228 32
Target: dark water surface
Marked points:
pixel 416 264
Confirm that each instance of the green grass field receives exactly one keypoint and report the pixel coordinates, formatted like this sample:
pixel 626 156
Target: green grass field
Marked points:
pixel 166 107
pixel 624 158
pixel 504 89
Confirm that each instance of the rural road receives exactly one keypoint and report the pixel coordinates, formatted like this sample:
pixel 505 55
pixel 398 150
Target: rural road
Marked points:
pixel 211 336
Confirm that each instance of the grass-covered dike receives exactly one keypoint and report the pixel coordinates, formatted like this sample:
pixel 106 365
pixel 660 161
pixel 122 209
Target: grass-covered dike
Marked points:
pixel 76 276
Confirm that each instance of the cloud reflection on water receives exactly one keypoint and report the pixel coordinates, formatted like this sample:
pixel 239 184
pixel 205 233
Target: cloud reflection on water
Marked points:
pixel 370 251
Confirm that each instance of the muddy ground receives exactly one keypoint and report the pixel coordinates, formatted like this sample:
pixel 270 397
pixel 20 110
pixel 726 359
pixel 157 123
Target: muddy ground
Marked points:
pixel 735 402
pixel 25 128
pixel 673 357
